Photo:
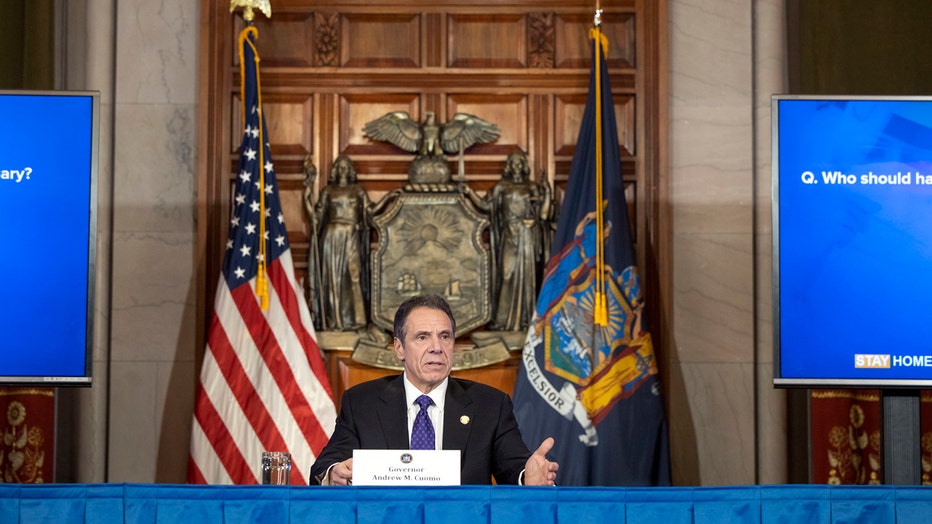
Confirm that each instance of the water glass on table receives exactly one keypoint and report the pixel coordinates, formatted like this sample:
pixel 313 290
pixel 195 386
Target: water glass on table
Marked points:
pixel 276 467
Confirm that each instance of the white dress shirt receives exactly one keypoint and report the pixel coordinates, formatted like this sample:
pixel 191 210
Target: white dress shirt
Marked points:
pixel 435 412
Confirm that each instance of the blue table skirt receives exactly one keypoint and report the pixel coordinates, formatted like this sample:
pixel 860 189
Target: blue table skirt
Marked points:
pixel 175 504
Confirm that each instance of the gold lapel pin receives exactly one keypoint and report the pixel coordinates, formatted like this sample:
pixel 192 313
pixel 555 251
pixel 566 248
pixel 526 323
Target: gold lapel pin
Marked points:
pixel 464 420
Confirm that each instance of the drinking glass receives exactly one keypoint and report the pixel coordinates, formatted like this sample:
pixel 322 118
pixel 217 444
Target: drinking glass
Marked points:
pixel 276 467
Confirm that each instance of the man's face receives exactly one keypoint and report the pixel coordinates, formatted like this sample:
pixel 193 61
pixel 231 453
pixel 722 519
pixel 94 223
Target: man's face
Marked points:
pixel 427 351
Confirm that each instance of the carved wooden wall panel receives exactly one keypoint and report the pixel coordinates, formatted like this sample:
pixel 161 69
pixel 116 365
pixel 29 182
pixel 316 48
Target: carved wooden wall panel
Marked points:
pixel 509 111
pixel 381 40
pixel 569 112
pixel 486 41
pixel 290 43
pixel 572 32
pixel 327 69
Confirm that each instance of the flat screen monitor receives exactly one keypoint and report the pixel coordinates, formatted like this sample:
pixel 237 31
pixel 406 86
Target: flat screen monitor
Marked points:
pixel 852 241
pixel 48 191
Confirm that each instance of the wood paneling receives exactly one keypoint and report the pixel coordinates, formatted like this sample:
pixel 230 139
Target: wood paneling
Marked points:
pixel 487 41
pixel 569 114
pixel 288 119
pixel 509 112
pixel 327 37
pixel 381 40
pixel 356 110
pixel 290 43
pixel 572 38
pixel 329 69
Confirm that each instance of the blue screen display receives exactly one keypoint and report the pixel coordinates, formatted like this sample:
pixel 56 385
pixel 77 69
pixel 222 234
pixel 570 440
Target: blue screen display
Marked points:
pixel 47 187
pixel 853 241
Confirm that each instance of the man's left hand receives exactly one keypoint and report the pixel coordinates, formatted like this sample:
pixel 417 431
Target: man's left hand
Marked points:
pixel 539 471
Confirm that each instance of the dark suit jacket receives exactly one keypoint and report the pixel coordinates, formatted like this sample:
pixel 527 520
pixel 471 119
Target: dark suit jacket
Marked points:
pixel 373 415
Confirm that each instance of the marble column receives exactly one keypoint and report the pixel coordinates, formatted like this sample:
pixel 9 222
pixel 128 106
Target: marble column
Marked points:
pixel 133 424
pixel 87 42
pixel 725 58
pixel 152 340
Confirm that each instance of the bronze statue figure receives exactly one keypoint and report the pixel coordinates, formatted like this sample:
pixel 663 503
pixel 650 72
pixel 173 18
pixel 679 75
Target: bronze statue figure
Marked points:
pixel 341 217
pixel 315 299
pixel 520 210
pixel 431 140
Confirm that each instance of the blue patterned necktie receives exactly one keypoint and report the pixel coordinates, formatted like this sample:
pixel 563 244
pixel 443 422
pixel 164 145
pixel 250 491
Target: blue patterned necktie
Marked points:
pixel 422 433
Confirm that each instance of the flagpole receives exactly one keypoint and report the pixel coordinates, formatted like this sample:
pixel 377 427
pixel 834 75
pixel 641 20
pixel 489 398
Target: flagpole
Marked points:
pixel 262 283
pixel 601 305
pixel 262 287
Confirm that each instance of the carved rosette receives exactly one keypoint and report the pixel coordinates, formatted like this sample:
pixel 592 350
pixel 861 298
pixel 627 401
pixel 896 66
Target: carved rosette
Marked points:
pixel 327 39
pixel 541 40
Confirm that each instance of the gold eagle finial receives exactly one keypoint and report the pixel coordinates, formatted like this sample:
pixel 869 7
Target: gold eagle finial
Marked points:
pixel 249 5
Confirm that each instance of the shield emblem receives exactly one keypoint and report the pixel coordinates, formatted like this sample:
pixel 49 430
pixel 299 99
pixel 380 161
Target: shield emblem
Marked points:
pixel 431 242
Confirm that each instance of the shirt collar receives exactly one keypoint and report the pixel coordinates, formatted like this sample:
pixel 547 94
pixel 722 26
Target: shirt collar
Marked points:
pixel 437 394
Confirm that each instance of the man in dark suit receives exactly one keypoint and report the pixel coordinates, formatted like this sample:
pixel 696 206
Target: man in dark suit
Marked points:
pixel 471 417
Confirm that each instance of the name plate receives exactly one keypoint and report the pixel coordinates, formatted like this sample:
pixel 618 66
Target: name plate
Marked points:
pixel 406 467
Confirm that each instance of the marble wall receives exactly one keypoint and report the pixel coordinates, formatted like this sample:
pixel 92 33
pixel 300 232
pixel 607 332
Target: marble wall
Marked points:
pixel 726 420
pixel 153 279
pixel 726 57
pixel 133 425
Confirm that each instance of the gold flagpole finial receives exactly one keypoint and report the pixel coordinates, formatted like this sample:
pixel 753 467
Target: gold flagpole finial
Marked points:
pixel 249 5
pixel 597 19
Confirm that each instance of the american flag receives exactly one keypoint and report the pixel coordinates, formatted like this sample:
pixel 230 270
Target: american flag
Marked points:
pixel 263 385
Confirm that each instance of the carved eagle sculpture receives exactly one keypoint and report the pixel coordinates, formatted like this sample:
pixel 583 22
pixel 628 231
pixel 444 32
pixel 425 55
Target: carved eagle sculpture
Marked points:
pixel 429 138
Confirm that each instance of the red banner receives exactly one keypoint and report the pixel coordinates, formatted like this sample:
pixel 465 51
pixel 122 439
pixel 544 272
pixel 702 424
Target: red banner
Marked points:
pixel 28 446
pixel 845 435
pixel 845 431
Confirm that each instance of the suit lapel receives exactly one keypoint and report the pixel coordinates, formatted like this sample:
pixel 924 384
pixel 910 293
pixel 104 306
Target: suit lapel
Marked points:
pixel 393 415
pixel 458 417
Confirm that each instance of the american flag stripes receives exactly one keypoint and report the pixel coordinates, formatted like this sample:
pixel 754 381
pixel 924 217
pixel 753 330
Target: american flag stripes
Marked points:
pixel 263 385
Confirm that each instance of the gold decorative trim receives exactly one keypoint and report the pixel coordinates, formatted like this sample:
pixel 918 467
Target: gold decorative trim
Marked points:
pixel 853 395
pixel 5 392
